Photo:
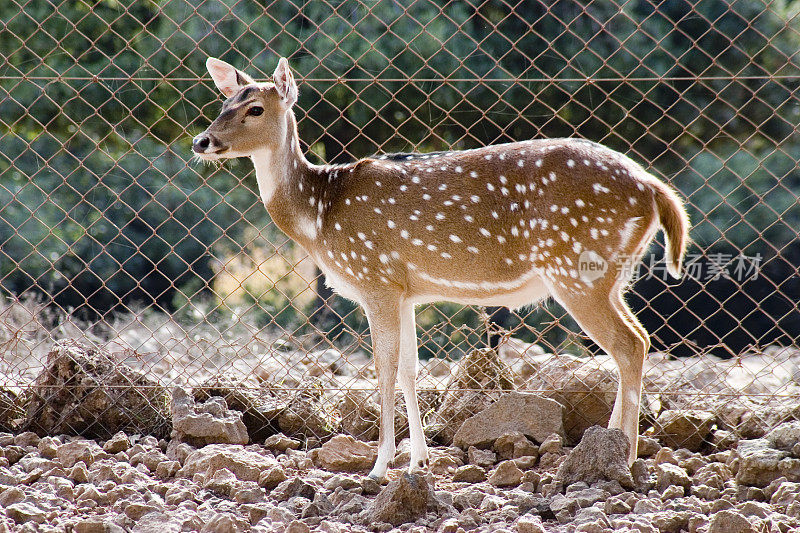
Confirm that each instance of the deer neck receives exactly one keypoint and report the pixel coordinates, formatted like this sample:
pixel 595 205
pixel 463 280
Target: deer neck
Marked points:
pixel 289 186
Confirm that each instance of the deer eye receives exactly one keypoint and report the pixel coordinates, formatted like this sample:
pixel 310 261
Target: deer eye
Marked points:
pixel 255 111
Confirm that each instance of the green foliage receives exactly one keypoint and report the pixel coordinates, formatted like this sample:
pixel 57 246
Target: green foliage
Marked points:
pixel 99 200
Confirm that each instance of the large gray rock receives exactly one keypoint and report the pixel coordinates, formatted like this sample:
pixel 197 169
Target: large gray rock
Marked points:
pixel 403 500
pixel 84 450
pixel 205 423
pixel 260 407
pixel 87 391
pixel 785 436
pixel 730 521
pixel 758 462
pixel 585 387
pixel 245 465
pixel 521 412
pixel 684 428
pixel 602 455
pixel 479 380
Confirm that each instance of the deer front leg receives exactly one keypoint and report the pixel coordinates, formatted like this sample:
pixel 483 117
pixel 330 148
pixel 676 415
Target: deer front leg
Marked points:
pixel 384 327
pixel 407 378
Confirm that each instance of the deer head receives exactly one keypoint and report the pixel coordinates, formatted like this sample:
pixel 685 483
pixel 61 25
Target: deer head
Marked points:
pixel 253 116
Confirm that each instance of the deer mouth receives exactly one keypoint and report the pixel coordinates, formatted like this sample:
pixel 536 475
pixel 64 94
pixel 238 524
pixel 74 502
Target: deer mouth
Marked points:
pixel 210 155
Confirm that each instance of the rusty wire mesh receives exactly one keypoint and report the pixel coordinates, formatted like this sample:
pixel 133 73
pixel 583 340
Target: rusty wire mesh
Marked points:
pixel 109 234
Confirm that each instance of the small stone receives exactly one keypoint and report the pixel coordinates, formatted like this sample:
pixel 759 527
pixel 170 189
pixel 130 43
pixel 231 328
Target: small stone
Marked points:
pixel 530 524
pixel 78 473
pixel 86 451
pixel 507 474
pixel 167 469
pixel 668 474
pixel 26 438
pixel 293 487
pixel 554 443
pixel 279 443
pixel 296 526
pixel 684 428
pixel 24 512
pixel 615 505
pixel 514 445
pixel 48 447
pixel 343 453
pixel 118 443
pixel 484 458
pixel 272 477
pixel 758 462
pixel 730 522
pixel 666 455
pixel 469 474
pixel 647 446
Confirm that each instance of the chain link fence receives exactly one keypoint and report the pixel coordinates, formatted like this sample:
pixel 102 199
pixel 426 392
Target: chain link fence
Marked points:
pixel 111 235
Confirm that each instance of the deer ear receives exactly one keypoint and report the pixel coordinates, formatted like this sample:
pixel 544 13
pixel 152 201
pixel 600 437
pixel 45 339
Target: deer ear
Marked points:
pixel 227 79
pixel 284 82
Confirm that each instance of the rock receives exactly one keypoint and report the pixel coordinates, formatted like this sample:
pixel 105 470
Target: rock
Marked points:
pixel 86 391
pixel 272 477
pixel 554 443
pixel 530 524
pixel 668 474
pixel 730 522
pixel 24 512
pixel 684 428
pixel 26 438
pixel 713 475
pixel 296 526
pixel 10 411
pixel 361 414
pixel 785 494
pixel 403 500
pixel 205 423
pixel 79 450
pixel 259 408
pixel 225 523
pixel 118 443
pixel 514 445
pixel 479 380
pixel 245 465
pixel 484 458
pixel 601 455
pixel 785 436
pixel 343 453
pixel 507 474
pixel 279 443
pixel 647 446
pixel 469 474
pixel 515 412
pixel 308 413
pixel 586 388
pixel 758 462
pixel 97 525
pixel 292 488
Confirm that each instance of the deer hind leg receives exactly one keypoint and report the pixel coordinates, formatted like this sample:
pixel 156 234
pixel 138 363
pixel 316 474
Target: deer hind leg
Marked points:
pixel 605 317
pixel 407 378
pixel 385 328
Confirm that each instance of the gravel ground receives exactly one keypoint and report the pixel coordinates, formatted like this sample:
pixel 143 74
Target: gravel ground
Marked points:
pixel 135 483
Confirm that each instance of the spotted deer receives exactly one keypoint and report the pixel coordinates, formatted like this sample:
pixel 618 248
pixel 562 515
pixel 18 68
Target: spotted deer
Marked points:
pixel 505 225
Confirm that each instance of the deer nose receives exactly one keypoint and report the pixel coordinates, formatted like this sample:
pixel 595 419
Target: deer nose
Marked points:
pixel 201 142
